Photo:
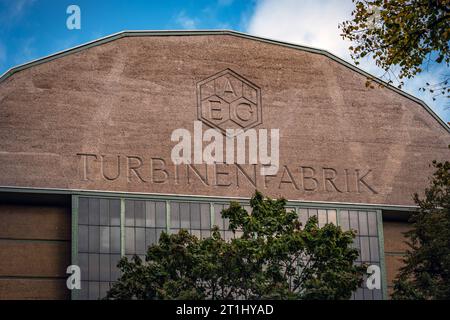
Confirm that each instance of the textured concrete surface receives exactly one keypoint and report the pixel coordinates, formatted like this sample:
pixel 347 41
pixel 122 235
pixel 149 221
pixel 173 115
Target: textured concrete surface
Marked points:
pixel 34 251
pixel 394 248
pixel 119 102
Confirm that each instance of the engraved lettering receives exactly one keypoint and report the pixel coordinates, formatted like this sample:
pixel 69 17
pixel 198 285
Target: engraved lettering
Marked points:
pixel 329 179
pixel 215 109
pixel 228 87
pixel 247 176
pixel 347 184
pixel 133 169
pixel 84 157
pixel 244 111
pixel 161 169
pixel 102 168
pixel 227 95
pixel 218 173
pixel 311 178
pixel 203 179
pixel 290 180
pixel 361 181
pixel 266 179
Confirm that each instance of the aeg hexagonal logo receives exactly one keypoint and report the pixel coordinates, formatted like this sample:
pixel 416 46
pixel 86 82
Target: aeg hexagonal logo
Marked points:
pixel 227 100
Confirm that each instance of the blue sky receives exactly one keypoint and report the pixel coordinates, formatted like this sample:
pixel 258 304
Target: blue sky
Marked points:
pixel 31 29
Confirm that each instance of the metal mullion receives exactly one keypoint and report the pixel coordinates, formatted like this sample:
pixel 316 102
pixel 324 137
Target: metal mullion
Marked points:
pixel 122 227
pixel 74 294
pixel 382 262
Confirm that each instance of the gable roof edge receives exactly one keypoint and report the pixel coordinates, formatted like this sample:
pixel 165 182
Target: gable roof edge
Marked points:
pixel 140 33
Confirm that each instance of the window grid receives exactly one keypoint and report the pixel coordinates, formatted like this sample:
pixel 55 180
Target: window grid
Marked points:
pixel 99 233
pixel 98 245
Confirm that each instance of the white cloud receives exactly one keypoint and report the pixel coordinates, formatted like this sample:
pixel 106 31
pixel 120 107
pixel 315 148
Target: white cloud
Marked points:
pixel 18 6
pixel 185 21
pixel 14 10
pixel 315 23
pixel 308 22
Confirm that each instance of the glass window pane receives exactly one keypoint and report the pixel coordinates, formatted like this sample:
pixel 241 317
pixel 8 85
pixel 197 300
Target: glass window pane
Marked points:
pixel 372 220
pixel 140 241
pixel 332 216
pixel 226 224
pixel 322 216
pixel 94 290
pixel 359 294
pixel 353 216
pixel 196 233
pixel 104 212
pixel 158 233
pixel 105 268
pixel 114 212
pixel 363 230
pixel 94 239
pixel 83 237
pixel 139 214
pixel 104 239
pixel 205 234
pixel 129 213
pixel 175 215
pixel 83 210
pixel 83 294
pixel 218 221
pixel 94 265
pixel 150 219
pixel 104 288
pixel 377 294
pixel 129 241
pixel 195 216
pixel 289 209
pixel 115 271
pixel 356 243
pixel 303 216
pixel 229 235
pixel 368 294
pixel 150 237
pixel 83 263
pixel 374 252
pixel 205 216
pixel 160 208
pixel 184 215
pixel 312 212
pixel 94 211
pixel 344 220
pixel 115 240
pixel 365 250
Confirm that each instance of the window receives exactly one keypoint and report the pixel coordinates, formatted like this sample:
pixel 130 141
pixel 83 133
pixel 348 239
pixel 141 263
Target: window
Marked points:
pixel 99 232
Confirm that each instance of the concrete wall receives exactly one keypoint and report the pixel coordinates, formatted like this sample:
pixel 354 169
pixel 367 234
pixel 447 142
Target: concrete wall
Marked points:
pixel 34 251
pixel 394 248
pixel 101 119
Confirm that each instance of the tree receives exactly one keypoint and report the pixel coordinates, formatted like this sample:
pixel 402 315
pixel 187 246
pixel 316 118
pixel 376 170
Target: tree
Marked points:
pixel 426 270
pixel 275 258
pixel 403 34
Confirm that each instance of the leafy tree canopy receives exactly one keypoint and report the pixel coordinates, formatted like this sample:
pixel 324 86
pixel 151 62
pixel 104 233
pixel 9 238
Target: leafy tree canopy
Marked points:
pixel 426 273
pixel 275 258
pixel 408 34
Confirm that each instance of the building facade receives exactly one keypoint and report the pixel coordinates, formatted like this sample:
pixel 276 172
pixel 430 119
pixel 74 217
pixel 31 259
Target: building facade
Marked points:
pixel 88 175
